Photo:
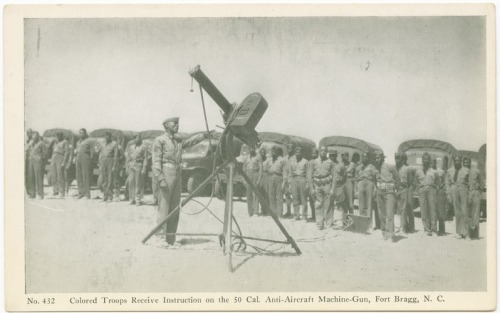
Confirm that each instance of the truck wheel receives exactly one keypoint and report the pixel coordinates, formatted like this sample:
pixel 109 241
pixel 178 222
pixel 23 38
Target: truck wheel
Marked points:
pixel 193 182
pixel 218 192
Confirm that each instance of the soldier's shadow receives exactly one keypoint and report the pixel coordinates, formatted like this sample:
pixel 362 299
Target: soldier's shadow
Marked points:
pixel 250 255
pixel 397 238
pixel 193 241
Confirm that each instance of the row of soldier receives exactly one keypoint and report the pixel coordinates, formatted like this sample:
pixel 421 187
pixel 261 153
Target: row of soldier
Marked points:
pixel 111 161
pixel 323 182
pixel 382 189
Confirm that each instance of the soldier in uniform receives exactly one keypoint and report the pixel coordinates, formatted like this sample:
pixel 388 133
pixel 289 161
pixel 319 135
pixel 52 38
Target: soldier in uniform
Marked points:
pixel 60 156
pixel 253 168
pixel 475 188
pixel 108 159
pixel 167 159
pixel 119 174
pixel 388 183
pixel 349 183
pixel 37 159
pixel 277 179
pixel 405 195
pixel 310 186
pixel 321 177
pixel 27 147
pixel 457 180
pixel 441 199
pixel 288 186
pixel 85 154
pixel 136 163
pixel 298 171
pixel 264 183
pixel 426 183
pixel 365 179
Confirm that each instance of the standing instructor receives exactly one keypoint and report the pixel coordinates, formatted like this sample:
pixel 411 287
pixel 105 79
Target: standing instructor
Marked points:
pixel 167 159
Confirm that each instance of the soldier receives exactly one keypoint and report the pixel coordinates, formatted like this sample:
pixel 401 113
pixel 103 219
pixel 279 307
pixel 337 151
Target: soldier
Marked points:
pixel 277 179
pixel 27 147
pixel 167 159
pixel 37 159
pixel 457 180
pixel 441 201
pixel 349 183
pixel 338 193
pixel 475 188
pixel 365 179
pixel 321 177
pixel 426 183
pixel 119 174
pixel 85 154
pixel 405 195
pixel 288 187
pixel 60 156
pixel 264 184
pixel 108 159
pixel 388 183
pixel 298 171
pixel 136 163
pixel 253 168
pixel 310 186
pixel 69 167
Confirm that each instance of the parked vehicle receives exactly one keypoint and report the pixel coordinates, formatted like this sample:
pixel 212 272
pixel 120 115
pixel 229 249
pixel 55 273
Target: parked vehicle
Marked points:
pixel 349 144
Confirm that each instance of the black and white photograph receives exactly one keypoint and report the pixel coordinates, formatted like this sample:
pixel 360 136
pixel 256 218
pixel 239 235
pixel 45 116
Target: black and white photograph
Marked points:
pixel 311 159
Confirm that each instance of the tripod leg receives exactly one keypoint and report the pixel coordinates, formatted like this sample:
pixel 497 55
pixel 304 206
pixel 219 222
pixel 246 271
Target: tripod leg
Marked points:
pixel 265 203
pixel 228 220
pixel 183 203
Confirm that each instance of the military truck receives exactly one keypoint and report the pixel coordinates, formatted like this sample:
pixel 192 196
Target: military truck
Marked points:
pixel 267 141
pixel 350 145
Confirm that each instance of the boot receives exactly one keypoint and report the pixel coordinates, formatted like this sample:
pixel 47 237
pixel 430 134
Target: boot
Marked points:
pixel 441 228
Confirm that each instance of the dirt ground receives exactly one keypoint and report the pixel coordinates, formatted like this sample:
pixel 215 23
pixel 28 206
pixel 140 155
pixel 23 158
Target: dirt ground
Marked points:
pixel 90 246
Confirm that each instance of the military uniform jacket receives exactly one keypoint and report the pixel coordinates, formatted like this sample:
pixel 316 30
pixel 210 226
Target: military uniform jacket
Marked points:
pixel 462 178
pixel 387 178
pixel 406 177
pixel 475 179
pixel 277 167
pixel 321 171
pixel 85 147
pixel 137 154
pixel 167 151
pixel 367 172
pixel 430 178
pixel 298 168
pixel 38 151
pixel 61 148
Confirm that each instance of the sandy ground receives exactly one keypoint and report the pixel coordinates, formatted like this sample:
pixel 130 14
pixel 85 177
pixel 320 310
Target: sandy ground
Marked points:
pixel 90 246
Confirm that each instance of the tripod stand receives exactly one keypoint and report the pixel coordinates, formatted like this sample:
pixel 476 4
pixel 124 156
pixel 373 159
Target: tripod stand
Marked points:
pixel 228 234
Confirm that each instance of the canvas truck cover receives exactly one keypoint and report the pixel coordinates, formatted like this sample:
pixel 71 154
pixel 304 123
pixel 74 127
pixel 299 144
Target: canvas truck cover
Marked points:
pixel 349 142
pixel 427 144
pixel 101 133
pixel 473 155
pixel 306 144
pixel 67 134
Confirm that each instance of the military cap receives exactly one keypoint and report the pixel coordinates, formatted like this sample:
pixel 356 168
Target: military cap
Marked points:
pixel 345 153
pixel 333 152
pixel 171 119
pixel 457 157
pixel 379 153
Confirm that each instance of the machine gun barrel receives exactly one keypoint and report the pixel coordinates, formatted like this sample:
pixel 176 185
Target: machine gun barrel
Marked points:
pixel 210 88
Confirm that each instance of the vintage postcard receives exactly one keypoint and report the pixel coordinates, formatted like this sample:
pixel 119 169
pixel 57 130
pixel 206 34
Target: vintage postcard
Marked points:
pixel 250 157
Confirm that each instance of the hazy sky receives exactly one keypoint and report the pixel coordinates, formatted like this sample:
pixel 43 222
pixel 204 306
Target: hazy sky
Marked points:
pixel 384 80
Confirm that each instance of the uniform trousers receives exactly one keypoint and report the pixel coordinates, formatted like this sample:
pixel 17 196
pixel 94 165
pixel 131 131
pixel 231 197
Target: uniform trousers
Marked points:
pixel 299 196
pixel 386 205
pixel 276 194
pixel 59 173
pixel 365 197
pixel 83 172
pixel 264 189
pixel 459 197
pixel 252 199
pixel 35 177
pixel 475 206
pixel 169 200
pixel 324 212
pixel 107 177
pixel 427 197
pixel 405 210
pixel 349 189
pixel 135 181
